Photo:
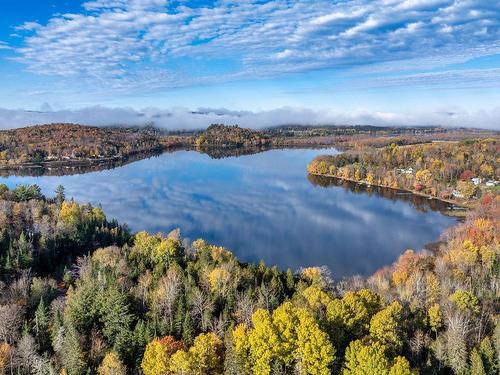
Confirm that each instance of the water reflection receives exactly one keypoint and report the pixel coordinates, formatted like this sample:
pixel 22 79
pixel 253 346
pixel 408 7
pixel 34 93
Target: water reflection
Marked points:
pixel 261 206
pixel 420 203
pixel 63 168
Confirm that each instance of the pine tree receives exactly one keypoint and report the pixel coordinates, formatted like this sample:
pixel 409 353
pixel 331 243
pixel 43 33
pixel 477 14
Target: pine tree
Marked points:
pixel 487 353
pixel 60 195
pixel 42 324
pixel 476 363
pixel 187 330
pixel 456 346
pixel 290 281
pixel 114 314
pixel 72 356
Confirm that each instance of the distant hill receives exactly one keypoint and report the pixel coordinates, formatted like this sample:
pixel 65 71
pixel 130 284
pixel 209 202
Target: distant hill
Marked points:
pixel 231 137
pixel 58 142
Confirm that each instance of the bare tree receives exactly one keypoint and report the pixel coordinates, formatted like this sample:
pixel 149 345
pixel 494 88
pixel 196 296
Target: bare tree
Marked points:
pixel 26 353
pixel 267 296
pixel 10 322
pixel 143 286
pixel 218 325
pixel 167 293
pixel 202 307
pixel 245 308
pixel 20 288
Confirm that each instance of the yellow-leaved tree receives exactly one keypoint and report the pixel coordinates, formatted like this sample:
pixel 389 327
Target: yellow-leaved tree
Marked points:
pixel 386 327
pixel 369 357
pixel 156 360
pixel 112 365
pixel 363 359
pixel 290 339
pixel 350 316
pixel 204 357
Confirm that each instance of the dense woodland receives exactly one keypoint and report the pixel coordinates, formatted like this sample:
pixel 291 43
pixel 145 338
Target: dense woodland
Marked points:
pixel 440 169
pixel 57 145
pixel 222 136
pixel 80 295
pixel 55 142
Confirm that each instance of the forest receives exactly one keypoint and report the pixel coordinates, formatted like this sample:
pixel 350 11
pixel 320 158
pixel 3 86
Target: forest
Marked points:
pixel 56 142
pixel 460 170
pixel 80 294
pixel 73 145
pixel 222 136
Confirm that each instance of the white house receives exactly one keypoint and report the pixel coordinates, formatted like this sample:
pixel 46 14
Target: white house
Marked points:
pixel 406 170
pixel 476 180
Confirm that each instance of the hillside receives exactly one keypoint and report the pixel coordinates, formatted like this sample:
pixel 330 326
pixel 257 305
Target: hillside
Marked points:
pixel 58 142
pixel 448 170
pixel 81 295
pixel 231 137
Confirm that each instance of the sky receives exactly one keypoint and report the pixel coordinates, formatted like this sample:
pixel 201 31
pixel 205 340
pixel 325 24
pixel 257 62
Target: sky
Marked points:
pixel 188 63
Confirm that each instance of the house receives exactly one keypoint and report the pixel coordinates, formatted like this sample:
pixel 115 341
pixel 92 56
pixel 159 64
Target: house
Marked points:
pixel 406 170
pixel 491 183
pixel 456 194
pixel 476 180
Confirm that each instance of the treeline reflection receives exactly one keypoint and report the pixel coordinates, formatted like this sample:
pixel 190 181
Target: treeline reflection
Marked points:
pixel 75 167
pixel 422 204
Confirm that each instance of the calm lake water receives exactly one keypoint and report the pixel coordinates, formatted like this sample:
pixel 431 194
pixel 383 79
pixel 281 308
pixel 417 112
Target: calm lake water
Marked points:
pixel 260 206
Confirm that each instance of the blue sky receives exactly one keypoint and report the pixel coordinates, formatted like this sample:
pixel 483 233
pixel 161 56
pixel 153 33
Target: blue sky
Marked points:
pixel 346 61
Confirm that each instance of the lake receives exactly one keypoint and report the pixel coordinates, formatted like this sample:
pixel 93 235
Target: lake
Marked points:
pixel 261 206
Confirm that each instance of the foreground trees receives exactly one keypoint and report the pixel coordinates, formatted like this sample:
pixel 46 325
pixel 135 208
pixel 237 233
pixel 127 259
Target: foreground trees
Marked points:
pixel 289 340
pixel 80 295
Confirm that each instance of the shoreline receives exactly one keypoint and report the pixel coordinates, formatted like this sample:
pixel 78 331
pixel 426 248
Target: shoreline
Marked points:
pixel 88 162
pixel 136 156
pixel 462 205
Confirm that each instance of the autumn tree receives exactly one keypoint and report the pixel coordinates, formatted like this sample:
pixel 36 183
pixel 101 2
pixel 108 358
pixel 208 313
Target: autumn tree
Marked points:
pixel 156 360
pixel 204 357
pixel 386 327
pixel 111 365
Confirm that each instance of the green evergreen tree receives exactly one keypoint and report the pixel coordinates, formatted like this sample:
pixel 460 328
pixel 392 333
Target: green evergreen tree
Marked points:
pixel 73 359
pixel 41 325
pixel 487 353
pixel 476 363
pixel 114 314
pixel 187 330
pixel 60 195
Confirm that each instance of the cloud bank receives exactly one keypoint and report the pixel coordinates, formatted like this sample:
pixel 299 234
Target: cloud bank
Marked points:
pixel 125 44
pixel 183 118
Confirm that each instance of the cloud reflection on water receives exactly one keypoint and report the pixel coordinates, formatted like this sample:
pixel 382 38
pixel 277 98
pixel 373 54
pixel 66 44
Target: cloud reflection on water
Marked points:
pixel 260 206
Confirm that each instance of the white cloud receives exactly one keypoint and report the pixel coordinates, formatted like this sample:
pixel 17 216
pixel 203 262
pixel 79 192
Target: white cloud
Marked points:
pixel 4 45
pixel 183 118
pixel 28 26
pixel 115 40
pixel 447 78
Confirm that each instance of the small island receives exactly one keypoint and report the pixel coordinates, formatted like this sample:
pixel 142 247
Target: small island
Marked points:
pixel 222 136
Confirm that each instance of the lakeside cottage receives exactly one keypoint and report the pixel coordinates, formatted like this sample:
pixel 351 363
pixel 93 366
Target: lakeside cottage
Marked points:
pixel 476 181
pixel 406 170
